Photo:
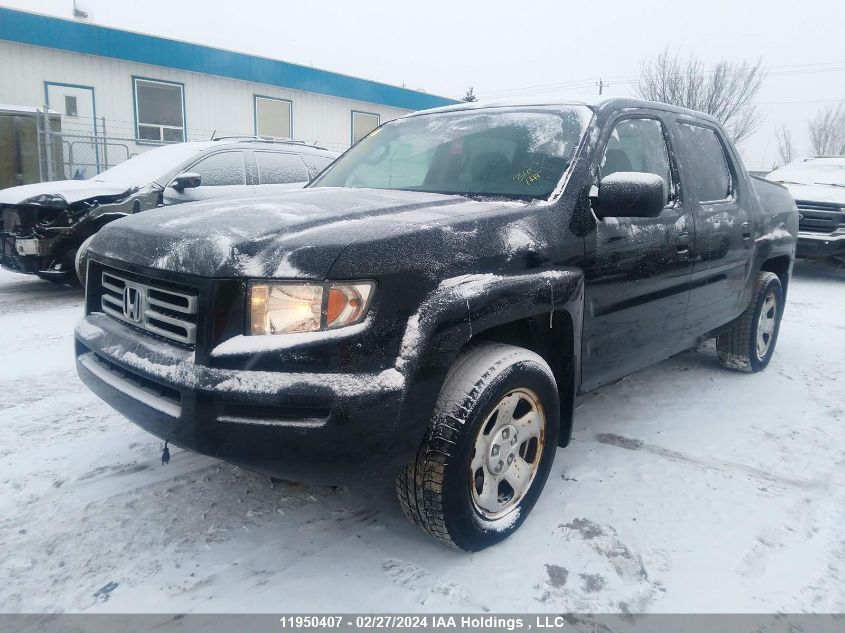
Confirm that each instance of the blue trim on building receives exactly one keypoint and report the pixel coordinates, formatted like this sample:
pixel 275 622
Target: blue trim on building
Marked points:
pixel 90 39
pixel 60 84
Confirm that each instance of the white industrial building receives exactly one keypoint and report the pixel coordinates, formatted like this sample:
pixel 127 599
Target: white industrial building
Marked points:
pixel 118 92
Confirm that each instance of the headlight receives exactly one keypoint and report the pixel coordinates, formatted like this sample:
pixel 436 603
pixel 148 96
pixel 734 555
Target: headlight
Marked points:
pixel 287 308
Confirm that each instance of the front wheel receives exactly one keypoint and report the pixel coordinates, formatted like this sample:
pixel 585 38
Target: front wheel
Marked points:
pixel 80 259
pixel 488 450
pixel 750 343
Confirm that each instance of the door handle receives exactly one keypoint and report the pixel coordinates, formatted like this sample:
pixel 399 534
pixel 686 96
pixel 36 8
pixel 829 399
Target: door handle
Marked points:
pixel 746 230
pixel 682 242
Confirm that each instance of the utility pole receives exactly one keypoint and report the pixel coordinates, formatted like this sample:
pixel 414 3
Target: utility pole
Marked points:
pixel 601 85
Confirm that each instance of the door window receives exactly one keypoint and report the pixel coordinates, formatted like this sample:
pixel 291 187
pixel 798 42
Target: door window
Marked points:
pixel 220 170
pixel 275 168
pixel 71 108
pixel 316 164
pixel 638 145
pixel 706 164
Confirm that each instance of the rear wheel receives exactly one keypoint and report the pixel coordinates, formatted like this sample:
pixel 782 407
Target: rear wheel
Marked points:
pixel 488 451
pixel 749 345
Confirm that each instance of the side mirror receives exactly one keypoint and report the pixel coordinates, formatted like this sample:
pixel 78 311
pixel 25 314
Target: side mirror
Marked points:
pixel 187 180
pixel 630 194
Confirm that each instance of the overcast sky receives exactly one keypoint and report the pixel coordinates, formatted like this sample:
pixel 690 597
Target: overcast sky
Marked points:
pixel 496 45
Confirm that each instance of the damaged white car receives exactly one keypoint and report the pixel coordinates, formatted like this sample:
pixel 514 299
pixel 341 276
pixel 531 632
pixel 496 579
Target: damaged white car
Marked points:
pixel 44 227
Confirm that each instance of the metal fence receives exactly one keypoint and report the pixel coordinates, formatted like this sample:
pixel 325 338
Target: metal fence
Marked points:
pixel 83 147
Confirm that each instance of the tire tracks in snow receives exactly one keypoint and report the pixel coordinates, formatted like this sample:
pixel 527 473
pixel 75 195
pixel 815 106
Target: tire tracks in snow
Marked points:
pixel 724 466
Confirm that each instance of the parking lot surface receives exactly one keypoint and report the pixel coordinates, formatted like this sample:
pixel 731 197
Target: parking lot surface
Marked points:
pixel 687 488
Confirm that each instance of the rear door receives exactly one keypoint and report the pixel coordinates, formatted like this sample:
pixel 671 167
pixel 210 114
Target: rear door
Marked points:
pixel 315 163
pixel 277 171
pixel 637 269
pixel 224 175
pixel 723 231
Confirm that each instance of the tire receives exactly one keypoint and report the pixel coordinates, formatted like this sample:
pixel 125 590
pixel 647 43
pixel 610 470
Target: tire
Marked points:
pixel 79 260
pixel 738 347
pixel 450 490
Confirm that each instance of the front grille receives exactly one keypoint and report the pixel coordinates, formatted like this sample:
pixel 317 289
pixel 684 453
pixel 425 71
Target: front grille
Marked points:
pixel 819 217
pixel 166 312
pixel 816 225
pixel 817 206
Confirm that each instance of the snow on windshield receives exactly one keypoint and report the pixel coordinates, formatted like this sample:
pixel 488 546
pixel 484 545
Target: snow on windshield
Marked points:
pixel 812 172
pixel 151 166
pixel 521 153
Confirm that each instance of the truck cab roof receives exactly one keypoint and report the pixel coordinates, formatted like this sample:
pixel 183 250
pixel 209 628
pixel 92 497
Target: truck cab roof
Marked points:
pixel 594 102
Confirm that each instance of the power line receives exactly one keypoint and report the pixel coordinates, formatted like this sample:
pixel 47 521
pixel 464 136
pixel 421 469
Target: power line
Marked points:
pixel 773 71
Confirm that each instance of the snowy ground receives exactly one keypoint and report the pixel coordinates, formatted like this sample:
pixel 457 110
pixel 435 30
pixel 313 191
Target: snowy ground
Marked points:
pixel 688 488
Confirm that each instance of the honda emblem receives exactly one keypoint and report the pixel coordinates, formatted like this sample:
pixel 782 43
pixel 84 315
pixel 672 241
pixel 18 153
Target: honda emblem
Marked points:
pixel 132 308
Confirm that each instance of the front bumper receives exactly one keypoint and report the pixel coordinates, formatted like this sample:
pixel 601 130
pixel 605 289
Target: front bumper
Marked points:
pixel 313 427
pixel 820 245
pixel 30 255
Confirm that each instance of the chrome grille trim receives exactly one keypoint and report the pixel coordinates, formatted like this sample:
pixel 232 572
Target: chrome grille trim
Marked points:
pixel 819 206
pixel 143 313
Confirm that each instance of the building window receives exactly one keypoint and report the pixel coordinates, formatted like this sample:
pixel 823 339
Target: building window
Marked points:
pixel 159 111
pixel 273 117
pixel 70 106
pixel 362 124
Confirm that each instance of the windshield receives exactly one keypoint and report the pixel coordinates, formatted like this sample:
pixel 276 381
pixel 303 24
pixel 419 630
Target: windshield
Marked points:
pixel 812 172
pixel 514 153
pixel 151 166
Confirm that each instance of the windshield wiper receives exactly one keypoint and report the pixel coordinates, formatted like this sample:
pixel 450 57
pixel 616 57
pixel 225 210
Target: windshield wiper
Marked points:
pixel 831 184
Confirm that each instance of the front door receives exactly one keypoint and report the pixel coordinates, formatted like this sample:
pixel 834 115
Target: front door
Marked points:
pixel 82 154
pixel 637 269
pixel 223 174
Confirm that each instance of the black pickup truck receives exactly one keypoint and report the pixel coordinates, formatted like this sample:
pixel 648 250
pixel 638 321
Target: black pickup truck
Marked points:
pixel 431 305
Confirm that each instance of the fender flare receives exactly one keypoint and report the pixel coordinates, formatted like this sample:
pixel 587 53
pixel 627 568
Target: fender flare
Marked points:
pixel 463 307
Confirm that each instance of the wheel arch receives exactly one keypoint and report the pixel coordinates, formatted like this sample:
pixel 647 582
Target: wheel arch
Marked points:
pixel 781 265
pixel 553 337
pixel 542 312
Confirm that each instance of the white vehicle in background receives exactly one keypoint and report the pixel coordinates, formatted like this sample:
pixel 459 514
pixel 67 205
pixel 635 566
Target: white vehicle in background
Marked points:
pixel 818 186
pixel 46 227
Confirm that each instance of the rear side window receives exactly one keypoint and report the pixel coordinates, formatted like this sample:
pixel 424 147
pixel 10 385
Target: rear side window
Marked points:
pixel 706 165
pixel 221 170
pixel 275 168
pixel 316 164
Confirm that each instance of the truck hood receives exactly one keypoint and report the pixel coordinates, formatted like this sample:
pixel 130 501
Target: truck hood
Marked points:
pixel 60 194
pixel 817 193
pixel 296 234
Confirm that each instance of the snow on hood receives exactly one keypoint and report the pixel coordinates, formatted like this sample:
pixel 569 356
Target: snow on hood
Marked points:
pixel 70 191
pixel 294 234
pixel 817 193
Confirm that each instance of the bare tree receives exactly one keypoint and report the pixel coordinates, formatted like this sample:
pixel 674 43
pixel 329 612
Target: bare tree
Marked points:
pixel 827 131
pixel 786 149
pixel 470 95
pixel 726 92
